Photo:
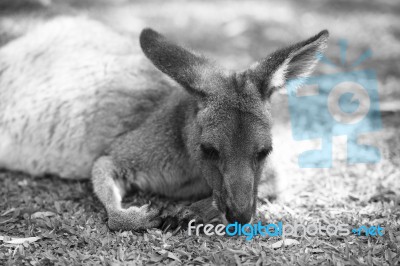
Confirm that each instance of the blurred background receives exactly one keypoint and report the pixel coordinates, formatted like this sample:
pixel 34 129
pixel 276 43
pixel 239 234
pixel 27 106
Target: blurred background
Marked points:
pixel 237 33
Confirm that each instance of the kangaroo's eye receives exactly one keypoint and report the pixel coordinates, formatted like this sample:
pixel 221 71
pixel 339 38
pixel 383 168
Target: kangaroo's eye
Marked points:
pixel 263 153
pixel 209 152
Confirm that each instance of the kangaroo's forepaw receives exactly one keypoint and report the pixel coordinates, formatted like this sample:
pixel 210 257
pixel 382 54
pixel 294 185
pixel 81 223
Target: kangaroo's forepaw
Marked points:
pixel 180 220
pixel 134 218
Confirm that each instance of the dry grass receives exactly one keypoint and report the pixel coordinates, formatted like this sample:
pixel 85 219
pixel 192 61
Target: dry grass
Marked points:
pixel 76 231
pixel 236 34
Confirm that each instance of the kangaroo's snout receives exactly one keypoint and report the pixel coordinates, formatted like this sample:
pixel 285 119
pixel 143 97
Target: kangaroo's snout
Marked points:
pixel 242 212
pixel 240 216
pixel 238 191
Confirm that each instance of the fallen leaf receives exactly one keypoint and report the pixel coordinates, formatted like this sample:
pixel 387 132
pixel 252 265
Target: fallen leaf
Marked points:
pixel 57 205
pixel 41 215
pixel 21 250
pixel 317 250
pixel 19 241
pixel 173 256
pixel 199 259
pixel 237 260
pixel 285 242
pixel 182 253
pixel 8 211
pixel 166 246
pixel 7 221
pixel 156 258
pixel 235 251
pixel 23 183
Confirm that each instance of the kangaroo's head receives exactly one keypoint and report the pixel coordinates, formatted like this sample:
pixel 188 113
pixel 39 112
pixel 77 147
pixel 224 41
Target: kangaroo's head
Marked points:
pixel 229 127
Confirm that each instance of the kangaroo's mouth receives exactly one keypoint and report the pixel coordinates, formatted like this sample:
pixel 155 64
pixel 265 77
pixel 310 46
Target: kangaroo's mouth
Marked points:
pixel 241 217
pixel 232 215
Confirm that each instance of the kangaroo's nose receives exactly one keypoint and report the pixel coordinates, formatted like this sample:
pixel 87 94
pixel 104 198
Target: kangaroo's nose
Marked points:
pixel 241 217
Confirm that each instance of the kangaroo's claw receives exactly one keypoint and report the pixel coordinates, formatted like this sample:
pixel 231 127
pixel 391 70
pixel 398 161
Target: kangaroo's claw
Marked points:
pixel 165 227
pixel 179 221
pixel 170 222
pixel 177 230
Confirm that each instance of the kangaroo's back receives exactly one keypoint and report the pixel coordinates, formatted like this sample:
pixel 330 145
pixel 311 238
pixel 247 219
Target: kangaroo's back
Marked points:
pixel 67 90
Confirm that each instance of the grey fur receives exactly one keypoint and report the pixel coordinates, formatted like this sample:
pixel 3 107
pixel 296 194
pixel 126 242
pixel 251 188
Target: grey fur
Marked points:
pixel 85 106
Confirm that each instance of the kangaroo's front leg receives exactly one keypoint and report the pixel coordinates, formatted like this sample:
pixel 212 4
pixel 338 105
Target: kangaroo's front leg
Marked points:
pixel 110 185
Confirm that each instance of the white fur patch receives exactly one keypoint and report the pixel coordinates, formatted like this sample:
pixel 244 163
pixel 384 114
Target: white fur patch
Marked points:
pixel 307 63
pixel 117 195
pixel 278 79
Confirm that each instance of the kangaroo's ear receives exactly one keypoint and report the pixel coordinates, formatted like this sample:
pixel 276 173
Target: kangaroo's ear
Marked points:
pixel 185 67
pixel 295 61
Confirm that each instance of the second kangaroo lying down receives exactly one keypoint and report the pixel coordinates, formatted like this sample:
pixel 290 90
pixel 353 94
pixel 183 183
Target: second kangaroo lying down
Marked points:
pixel 205 135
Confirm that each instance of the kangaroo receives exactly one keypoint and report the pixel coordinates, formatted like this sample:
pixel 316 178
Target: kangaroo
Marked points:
pixel 78 99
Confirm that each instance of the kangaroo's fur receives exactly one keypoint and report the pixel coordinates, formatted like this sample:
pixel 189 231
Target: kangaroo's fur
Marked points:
pixel 67 90
pixel 78 99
